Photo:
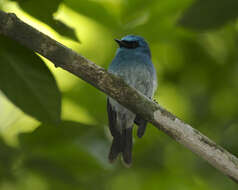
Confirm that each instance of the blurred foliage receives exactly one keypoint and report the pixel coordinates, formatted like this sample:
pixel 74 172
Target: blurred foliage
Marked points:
pixel 30 83
pixel 197 75
pixel 210 14
pixel 7 160
pixel 44 10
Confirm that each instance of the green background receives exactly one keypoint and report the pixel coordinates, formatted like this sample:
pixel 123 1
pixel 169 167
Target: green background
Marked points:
pixel 53 126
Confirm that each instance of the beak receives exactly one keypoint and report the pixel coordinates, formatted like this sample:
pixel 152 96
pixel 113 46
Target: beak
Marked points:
pixel 120 42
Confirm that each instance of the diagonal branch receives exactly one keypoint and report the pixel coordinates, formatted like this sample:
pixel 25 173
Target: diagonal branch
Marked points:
pixel 115 87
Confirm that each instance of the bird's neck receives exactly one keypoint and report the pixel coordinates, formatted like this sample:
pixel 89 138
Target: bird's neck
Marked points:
pixel 132 54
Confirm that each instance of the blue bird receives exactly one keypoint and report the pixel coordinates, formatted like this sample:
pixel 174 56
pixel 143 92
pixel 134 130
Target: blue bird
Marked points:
pixel 132 63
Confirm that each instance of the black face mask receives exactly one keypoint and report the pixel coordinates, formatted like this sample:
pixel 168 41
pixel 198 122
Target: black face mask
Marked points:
pixel 127 44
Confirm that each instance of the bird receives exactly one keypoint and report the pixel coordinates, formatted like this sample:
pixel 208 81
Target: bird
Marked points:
pixel 133 64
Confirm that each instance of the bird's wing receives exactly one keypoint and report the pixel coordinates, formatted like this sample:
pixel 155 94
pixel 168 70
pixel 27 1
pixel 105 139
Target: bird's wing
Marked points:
pixel 147 87
pixel 112 118
pixel 122 142
pixel 141 123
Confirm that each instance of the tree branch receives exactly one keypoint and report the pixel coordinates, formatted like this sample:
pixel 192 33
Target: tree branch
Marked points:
pixel 116 88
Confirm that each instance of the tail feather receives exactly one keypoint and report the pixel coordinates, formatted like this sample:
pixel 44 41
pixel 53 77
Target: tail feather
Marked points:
pixel 116 148
pixel 122 144
pixel 127 146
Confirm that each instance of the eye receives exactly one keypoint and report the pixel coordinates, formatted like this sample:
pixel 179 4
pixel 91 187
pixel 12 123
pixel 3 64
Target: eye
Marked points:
pixel 130 44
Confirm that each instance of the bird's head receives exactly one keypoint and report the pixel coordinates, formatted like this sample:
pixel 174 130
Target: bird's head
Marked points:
pixel 132 43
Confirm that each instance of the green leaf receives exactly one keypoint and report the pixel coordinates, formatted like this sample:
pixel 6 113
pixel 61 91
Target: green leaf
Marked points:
pixel 209 14
pixel 27 82
pixel 63 136
pixel 68 153
pixel 63 29
pixel 8 157
pixel 44 10
pixel 94 10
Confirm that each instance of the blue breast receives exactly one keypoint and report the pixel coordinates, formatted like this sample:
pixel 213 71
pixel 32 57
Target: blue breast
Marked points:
pixel 136 69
